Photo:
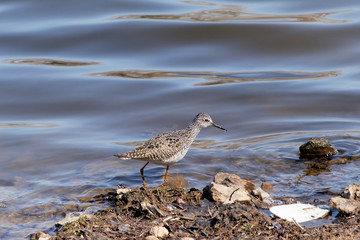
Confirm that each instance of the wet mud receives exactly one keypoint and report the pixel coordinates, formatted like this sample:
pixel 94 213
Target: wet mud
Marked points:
pixel 180 213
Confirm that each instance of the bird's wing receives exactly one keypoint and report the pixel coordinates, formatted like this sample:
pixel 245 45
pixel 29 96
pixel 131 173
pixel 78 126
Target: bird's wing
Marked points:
pixel 163 146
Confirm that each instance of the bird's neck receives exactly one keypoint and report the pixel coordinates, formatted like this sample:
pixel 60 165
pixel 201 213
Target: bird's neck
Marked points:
pixel 194 129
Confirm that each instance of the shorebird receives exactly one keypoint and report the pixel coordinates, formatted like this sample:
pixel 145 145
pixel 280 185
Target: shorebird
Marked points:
pixel 168 148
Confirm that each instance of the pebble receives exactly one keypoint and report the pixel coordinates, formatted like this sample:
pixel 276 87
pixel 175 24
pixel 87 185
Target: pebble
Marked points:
pixel 124 228
pixel 180 201
pixel 159 231
pixel 178 182
pixel 277 225
pixel 120 191
pixel 44 236
pixel 266 186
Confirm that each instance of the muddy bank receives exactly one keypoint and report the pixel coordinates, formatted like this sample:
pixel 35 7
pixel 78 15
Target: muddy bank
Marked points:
pixel 169 212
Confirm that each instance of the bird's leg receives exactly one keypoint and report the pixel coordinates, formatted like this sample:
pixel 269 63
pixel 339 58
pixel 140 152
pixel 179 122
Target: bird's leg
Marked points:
pixel 166 173
pixel 142 173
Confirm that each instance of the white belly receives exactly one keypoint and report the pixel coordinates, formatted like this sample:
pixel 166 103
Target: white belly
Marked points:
pixel 177 157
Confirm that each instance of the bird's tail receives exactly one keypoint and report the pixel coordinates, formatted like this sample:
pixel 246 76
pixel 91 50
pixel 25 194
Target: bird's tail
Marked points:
pixel 122 156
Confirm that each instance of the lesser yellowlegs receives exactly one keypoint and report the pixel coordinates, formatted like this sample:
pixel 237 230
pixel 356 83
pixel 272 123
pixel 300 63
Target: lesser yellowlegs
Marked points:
pixel 168 148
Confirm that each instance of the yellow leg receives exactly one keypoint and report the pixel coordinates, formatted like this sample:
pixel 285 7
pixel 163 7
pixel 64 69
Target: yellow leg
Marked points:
pixel 166 173
pixel 142 173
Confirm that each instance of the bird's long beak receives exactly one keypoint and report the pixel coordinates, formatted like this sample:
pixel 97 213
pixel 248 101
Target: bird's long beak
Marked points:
pixel 215 125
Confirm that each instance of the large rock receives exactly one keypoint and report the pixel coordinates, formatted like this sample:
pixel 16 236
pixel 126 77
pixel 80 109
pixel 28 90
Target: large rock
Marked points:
pixel 228 188
pixel 317 148
pixel 349 201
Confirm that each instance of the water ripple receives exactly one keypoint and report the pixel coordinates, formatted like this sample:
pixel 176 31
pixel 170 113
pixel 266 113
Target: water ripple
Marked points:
pixel 345 140
pixel 235 13
pixel 215 78
pixel 27 125
pixel 49 62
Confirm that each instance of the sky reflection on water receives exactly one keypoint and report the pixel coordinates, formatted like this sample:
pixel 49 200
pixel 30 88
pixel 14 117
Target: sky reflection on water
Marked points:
pixel 81 82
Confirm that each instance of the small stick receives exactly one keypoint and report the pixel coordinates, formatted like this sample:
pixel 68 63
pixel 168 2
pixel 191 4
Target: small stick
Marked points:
pixel 298 224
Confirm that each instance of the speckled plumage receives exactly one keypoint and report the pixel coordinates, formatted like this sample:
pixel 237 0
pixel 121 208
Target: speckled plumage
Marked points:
pixel 169 148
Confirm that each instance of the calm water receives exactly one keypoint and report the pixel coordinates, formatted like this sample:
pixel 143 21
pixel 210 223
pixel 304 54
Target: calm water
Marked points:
pixel 81 81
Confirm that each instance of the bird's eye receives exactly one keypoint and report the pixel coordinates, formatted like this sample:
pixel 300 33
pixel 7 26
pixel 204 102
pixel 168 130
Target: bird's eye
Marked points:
pixel 206 120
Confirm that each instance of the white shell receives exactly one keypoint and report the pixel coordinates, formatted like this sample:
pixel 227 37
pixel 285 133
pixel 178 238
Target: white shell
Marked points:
pixel 299 212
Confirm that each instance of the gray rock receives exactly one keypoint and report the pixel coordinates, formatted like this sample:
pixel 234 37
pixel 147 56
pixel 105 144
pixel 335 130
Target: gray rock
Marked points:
pixel 228 188
pixel 317 148
pixel 345 206
pixel 349 201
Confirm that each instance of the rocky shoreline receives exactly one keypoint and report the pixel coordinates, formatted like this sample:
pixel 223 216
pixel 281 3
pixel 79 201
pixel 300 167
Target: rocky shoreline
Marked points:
pixel 227 208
